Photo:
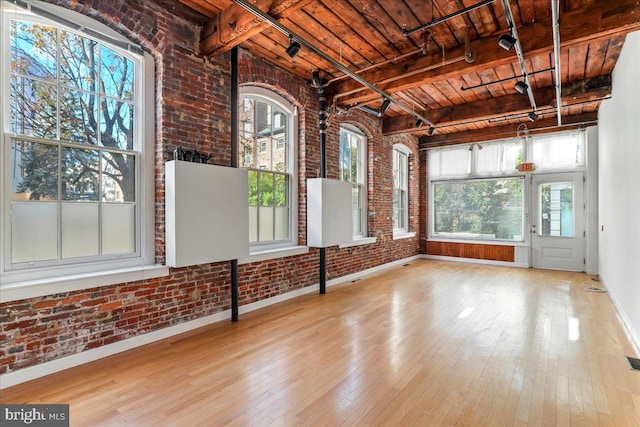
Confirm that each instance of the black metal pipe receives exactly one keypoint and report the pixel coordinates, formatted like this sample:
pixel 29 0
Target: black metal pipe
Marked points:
pixel 234 164
pixel 322 125
pixel 446 18
pixel 504 80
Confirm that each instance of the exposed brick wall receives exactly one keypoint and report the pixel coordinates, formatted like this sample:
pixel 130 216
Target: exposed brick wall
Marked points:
pixel 193 111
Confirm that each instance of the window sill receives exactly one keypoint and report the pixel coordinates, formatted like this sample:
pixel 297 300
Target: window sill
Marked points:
pixel 274 254
pixel 404 235
pixel 37 288
pixel 359 242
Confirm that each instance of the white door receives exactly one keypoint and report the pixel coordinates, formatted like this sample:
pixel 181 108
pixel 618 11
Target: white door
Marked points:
pixel 557 230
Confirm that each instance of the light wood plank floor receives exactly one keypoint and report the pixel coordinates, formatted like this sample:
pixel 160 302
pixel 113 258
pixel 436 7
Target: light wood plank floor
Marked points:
pixel 431 343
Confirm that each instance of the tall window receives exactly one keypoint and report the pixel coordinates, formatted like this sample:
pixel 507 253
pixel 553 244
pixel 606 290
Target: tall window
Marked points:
pixel 478 193
pixel 266 140
pixel 400 189
pixel 483 208
pixel 73 138
pixel 353 148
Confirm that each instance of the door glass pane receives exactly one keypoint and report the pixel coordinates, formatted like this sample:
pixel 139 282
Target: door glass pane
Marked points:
pixel 556 202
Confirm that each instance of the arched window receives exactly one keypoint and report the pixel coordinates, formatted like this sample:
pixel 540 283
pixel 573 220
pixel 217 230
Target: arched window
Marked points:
pixel 268 150
pixel 353 169
pixel 74 127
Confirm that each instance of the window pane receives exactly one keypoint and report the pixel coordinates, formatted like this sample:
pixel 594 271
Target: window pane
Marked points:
pixel 116 124
pixel 253 188
pixel 34 232
pixel 281 190
pixel 357 199
pixel 263 119
pixel 489 209
pixel 118 228
pixel 34 171
pixel 33 108
pixel 266 190
pixel 80 235
pixel 33 50
pixel 354 163
pixel 118 177
pixel 116 74
pixel 345 157
pixel 512 155
pixel 78 117
pixel 245 151
pixel 282 223
pixel 452 162
pixel 357 221
pixel 253 224
pixel 556 202
pixel 78 62
pixel 266 224
pixel 558 151
pixel 489 158
pixel 80 174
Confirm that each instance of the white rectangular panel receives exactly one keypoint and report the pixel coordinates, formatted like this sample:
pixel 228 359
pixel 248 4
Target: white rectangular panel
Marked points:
pixel 207 213
pixel 329 212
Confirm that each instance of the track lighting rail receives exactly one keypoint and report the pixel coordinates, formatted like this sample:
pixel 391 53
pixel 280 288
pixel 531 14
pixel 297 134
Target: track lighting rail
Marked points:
pixel 278 26
pixel 463 88
pixel 514 34
pixel 446 18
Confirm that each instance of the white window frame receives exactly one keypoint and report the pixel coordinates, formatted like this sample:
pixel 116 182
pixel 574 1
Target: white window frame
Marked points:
pixel 268 250
pixel 404 153
pixel 37 281
pixel 361 179
pixel 504 173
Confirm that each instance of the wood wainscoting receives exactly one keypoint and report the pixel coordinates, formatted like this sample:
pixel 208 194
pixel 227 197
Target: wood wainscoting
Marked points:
pixel 472 250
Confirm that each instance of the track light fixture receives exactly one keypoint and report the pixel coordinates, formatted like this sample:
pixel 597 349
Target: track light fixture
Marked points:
pixel 506 41
pixel 532 116
pixel 294 47
pixel 384 107
pixel 419 123
pixel 431 131
pixel 521 86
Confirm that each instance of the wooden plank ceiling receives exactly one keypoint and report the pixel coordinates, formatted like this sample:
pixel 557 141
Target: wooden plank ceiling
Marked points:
pixel 430 71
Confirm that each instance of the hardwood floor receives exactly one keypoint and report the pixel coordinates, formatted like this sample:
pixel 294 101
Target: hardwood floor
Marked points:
pixel 431 343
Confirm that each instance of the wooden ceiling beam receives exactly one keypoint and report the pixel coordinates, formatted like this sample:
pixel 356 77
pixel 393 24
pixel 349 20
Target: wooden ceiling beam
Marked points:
pixel 576 92
pixel 498 132
pixel 579 26
pixel 235 24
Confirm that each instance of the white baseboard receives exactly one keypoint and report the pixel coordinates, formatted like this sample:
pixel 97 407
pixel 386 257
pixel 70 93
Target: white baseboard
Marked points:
pixel 629 330
pixel 47 368
pixel 476 261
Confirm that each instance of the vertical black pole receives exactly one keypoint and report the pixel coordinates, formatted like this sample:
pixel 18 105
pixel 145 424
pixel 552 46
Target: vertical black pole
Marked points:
pixel 322 124
pixel 234 164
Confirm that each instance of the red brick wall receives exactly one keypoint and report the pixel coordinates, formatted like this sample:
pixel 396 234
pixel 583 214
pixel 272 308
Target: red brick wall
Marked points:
pixel 193 111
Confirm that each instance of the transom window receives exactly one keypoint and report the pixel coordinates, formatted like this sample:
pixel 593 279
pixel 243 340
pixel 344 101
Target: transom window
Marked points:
pixel 73 140
pixel 353 147
pixel 267 152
